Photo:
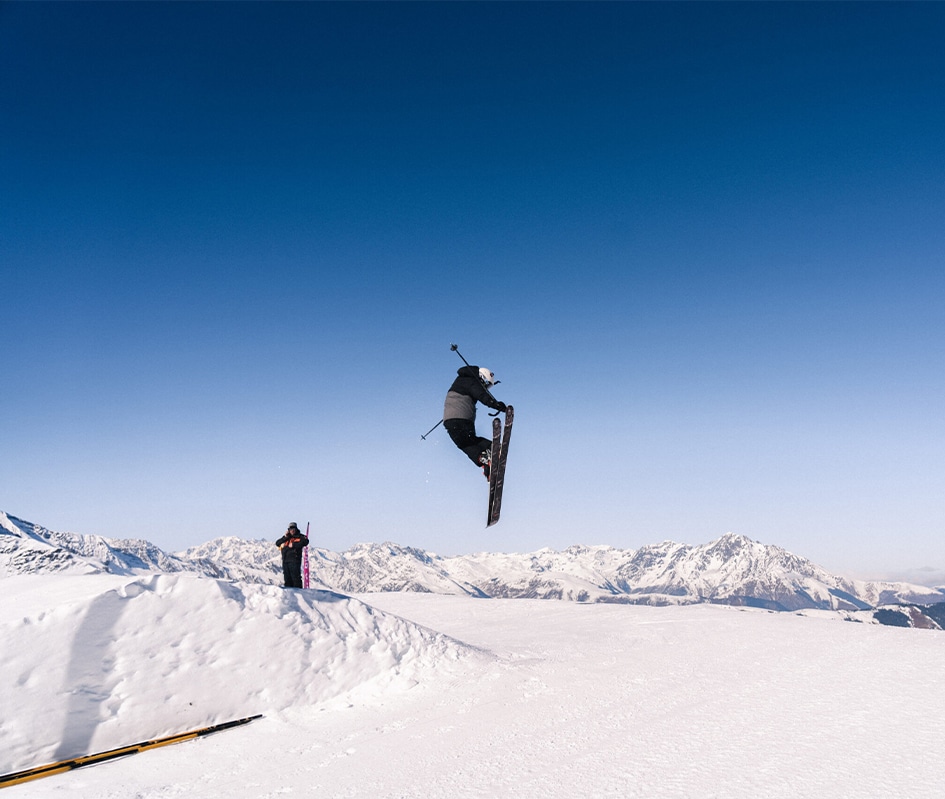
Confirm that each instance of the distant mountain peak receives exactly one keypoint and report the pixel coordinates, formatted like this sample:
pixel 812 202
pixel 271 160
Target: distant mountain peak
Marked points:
pixel 732 569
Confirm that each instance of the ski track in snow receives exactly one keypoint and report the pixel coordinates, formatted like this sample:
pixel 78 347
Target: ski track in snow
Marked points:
pixel 550 699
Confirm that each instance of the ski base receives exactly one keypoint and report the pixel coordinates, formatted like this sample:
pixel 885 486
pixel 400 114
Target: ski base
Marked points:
pixel 500 452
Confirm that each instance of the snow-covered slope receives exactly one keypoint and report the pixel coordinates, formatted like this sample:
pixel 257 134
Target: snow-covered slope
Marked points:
pixel 579 573
pixel 101 649
pixel 363 568
pixel 731 570
pixel 387 567
pixel 27 548
pixel 736 570
pixel 101 661
pixel 919 617
pixel 572 699
pixel 231 558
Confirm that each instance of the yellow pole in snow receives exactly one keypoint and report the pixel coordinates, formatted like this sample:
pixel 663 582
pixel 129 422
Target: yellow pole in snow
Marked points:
pixel 89 760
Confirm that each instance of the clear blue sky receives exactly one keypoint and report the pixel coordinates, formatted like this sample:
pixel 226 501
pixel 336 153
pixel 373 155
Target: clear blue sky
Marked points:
pixel 701 245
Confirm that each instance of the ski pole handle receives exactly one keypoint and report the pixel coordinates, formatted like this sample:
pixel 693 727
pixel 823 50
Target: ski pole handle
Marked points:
pixel 455 349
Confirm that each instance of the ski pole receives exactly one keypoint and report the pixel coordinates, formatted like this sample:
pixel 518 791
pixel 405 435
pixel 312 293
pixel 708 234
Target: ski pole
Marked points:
pixel 455 349
pixel 424 437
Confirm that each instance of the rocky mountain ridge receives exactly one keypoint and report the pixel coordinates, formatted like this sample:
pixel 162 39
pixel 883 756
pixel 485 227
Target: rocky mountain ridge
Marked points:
pixel 733 570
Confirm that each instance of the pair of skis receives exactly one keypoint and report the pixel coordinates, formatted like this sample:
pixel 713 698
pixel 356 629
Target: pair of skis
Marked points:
pixel 500 452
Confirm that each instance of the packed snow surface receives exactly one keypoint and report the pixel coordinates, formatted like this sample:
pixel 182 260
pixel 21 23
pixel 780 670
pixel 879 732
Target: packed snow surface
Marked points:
pixel 418 696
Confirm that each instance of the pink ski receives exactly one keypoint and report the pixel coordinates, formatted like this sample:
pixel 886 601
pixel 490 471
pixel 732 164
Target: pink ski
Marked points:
pixel 305 560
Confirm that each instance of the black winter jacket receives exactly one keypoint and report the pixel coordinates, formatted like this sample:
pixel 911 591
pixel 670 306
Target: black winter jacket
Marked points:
pixel 292 545
pixel 467 389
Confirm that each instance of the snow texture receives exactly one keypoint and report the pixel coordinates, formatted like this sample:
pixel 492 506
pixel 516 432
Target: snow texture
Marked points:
pixel 551 699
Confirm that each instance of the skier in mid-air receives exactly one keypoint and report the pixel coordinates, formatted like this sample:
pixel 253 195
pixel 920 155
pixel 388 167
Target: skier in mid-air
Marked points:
pixel 471 385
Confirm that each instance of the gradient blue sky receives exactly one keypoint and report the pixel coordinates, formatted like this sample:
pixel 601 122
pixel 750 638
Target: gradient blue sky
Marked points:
pixel 701 245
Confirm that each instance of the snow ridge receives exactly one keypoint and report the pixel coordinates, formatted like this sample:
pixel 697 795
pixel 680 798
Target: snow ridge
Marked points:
pixel 157 654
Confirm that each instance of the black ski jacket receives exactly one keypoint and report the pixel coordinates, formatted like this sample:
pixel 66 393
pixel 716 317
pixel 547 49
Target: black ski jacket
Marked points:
pixel 292 545
pixel 467 389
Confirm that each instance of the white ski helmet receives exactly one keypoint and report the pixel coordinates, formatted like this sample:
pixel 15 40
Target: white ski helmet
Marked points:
pixel 487 378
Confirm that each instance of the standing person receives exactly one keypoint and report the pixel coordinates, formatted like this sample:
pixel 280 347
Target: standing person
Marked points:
pixel 471 385
pixel 292 544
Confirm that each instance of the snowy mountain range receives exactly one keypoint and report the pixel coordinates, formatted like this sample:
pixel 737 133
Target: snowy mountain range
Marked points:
pixel 732 570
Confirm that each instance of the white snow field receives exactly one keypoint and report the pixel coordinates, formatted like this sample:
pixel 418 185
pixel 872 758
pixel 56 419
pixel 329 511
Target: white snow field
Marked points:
pixel 469 698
